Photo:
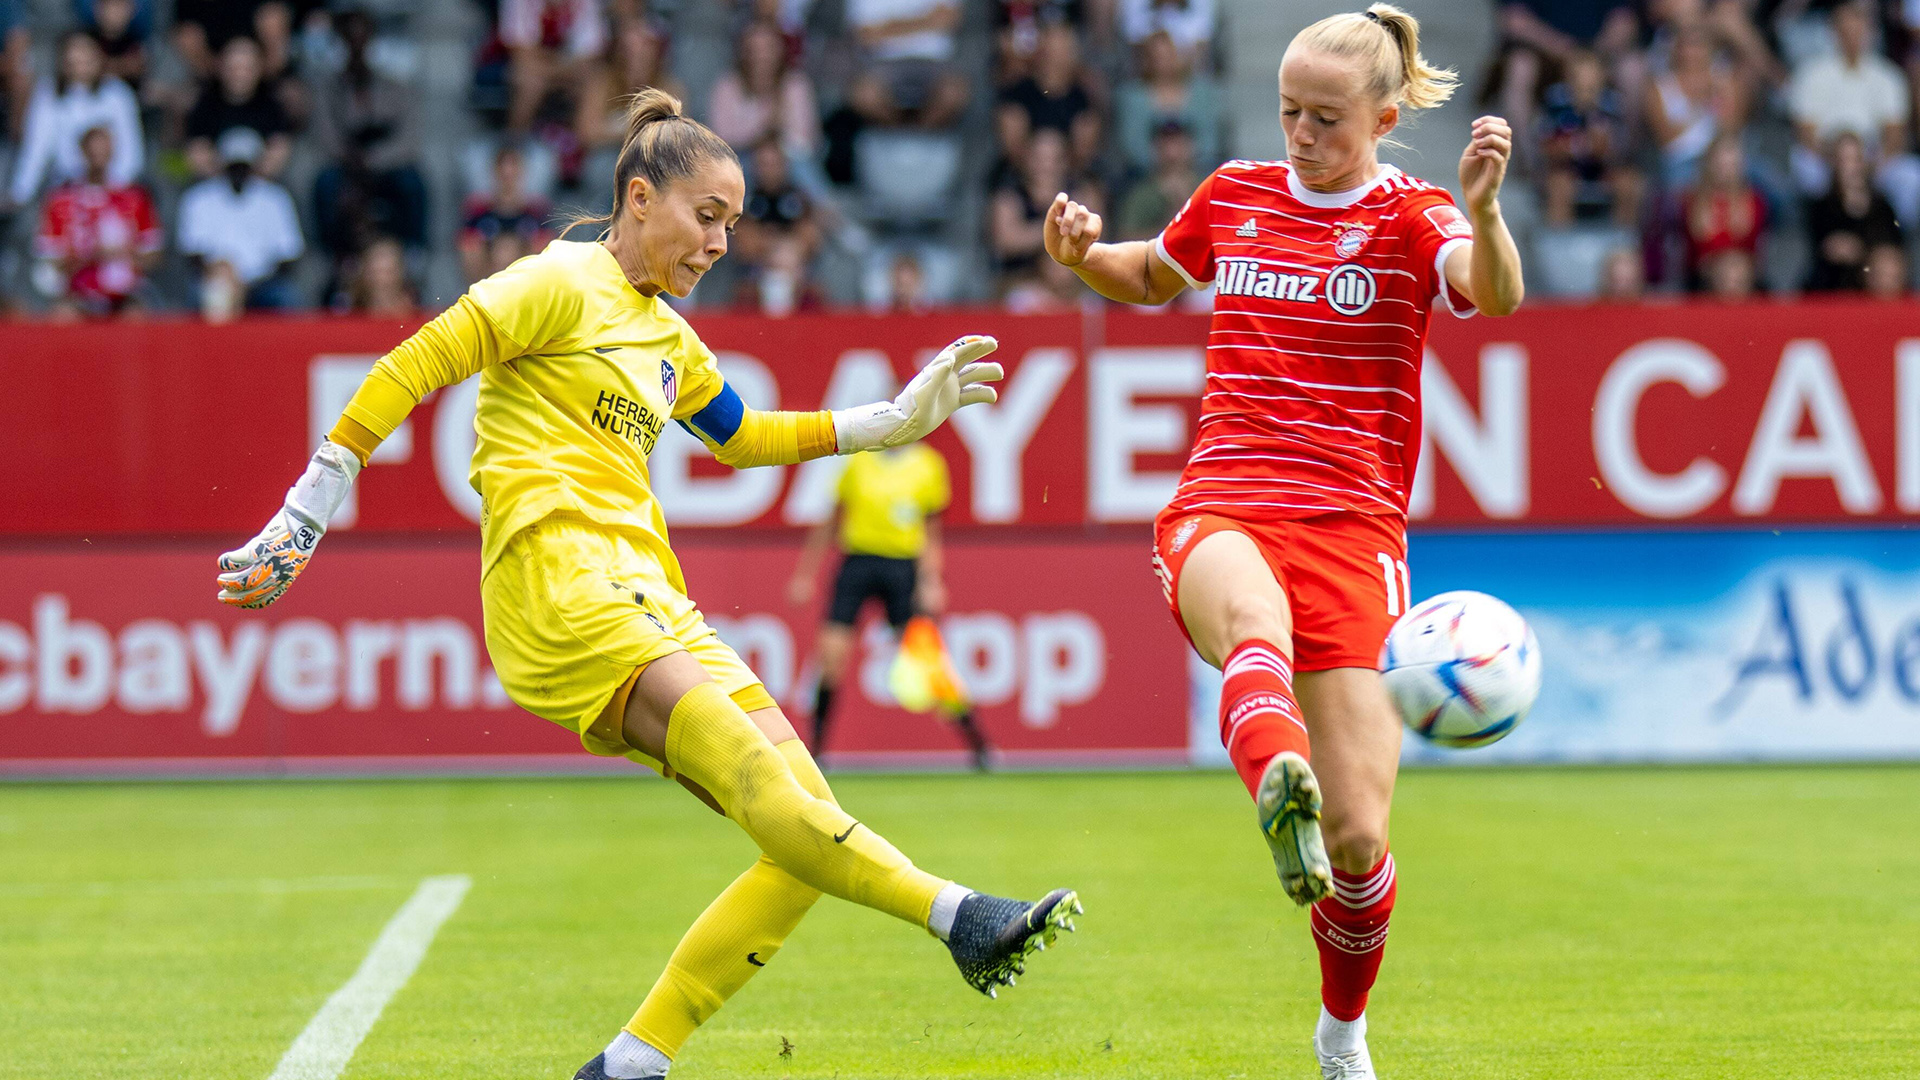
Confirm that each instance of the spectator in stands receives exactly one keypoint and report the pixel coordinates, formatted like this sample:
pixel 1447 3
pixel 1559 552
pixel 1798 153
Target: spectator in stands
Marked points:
pixel 1730 275
pixel 82 97
pixel 379 285
pixel 1153 199
pixel 16 65
pixel 1623 276
pixel 1539 37
pixel 273 31
pixel 238 99
pixel 99 240
pixel 556 46
pixel 364 124
pixel 1887 276
pixel 505 224
pixel 1856 90
pixel 908 77
pixel 640 58
pixel 907 286
pixel 1722 213
pixel 1691 99
pixel 1584 147
pixel 1850 222
pixel 202 28
pixel 1052 289
pixel 1167 89
pixel 1054 97
pixel 1020 205
pixel 1190 23
pixel 764 95
pixel 240 232
pixel 778 235
pixel 1016 32
pixel 122 39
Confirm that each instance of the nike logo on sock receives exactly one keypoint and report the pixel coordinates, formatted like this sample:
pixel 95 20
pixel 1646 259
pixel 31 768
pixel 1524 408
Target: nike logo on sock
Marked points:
pixel 754 959
pixel 842 838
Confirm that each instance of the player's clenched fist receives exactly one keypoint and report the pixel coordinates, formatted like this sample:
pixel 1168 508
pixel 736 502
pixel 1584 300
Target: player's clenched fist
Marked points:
pixel 1483 164
pixel 257 572
pixel 1069 231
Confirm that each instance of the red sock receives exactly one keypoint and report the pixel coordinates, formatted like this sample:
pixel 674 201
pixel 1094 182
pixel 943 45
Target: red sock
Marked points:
pixel 1258 715
pixel 1350 929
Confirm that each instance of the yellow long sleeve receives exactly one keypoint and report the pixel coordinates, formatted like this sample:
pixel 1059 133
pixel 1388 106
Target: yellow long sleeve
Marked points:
pixel 777 438
pixel 459 342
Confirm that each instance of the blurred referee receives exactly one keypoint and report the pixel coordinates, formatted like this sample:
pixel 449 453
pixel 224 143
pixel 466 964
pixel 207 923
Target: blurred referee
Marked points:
pixel 887 514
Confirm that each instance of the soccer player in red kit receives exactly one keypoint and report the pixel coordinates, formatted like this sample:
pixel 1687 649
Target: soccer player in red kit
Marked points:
pixel 1284 548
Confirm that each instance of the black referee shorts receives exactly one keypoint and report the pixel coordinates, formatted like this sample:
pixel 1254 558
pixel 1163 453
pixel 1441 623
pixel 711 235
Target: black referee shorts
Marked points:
pixel 866 577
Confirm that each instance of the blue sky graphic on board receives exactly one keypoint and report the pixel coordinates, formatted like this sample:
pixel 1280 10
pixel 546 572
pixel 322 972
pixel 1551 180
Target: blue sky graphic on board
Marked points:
pixel 1690 646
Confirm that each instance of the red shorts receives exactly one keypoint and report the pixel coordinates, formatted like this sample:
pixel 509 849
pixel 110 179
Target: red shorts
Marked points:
pixel 1344 575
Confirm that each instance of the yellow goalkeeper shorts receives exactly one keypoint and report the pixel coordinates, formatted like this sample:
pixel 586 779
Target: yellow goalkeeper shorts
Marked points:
pixel 575 611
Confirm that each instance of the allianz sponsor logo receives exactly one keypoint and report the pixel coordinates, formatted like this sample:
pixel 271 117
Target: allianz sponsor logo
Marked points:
pixel 1349 289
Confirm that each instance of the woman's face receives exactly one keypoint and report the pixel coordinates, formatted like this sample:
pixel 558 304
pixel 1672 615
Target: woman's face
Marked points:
pixel 1333 124
pixel 1159 57
pixel 761 53
pixel 81 59
pixel 1047 160
pixel 684 227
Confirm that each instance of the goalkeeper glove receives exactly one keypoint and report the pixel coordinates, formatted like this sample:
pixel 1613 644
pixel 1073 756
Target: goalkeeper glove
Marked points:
pixel 956 377
pixel 258 571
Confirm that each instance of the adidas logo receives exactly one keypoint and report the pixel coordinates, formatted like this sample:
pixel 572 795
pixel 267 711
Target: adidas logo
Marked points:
pixel 1247 228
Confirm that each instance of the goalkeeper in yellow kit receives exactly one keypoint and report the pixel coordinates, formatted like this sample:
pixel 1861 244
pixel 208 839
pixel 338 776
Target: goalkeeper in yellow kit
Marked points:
pixel 588 621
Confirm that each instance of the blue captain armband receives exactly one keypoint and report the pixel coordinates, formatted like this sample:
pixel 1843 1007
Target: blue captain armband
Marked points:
pixel 718 421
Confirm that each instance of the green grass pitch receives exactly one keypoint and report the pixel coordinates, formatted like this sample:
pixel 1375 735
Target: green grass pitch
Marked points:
pixel 1725 923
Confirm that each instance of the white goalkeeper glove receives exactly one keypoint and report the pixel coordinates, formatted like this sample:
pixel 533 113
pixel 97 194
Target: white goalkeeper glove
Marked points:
pixel 258 571
pixel 956 377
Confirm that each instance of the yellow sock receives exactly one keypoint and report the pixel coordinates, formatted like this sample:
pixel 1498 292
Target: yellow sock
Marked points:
pixel 734 938
pixel 714 744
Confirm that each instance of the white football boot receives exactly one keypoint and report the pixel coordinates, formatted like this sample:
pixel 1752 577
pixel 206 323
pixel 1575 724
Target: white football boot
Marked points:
pixel 1342 1056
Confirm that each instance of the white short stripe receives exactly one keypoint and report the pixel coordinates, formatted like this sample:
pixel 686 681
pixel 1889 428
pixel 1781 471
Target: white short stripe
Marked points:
pixel 1309 267
pixel 1311 385
pixel 1303 318
pixel 1304 400
pixel 321 1052
pixel 1401 360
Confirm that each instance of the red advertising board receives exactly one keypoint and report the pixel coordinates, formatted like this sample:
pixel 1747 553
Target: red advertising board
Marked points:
pixel 1759 413
pixel 116 653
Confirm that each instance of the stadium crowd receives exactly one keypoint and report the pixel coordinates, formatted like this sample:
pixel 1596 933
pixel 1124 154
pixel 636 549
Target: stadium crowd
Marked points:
pixel 230 155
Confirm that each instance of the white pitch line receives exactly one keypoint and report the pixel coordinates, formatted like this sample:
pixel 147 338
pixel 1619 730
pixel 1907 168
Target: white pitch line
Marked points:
pixel 324 1048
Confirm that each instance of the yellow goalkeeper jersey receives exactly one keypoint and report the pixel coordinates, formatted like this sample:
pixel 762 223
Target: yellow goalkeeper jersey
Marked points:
pixel 885 498
pixel 579 375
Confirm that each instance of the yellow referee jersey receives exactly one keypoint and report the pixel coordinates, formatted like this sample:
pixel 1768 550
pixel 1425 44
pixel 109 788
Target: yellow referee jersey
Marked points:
pixel 885 498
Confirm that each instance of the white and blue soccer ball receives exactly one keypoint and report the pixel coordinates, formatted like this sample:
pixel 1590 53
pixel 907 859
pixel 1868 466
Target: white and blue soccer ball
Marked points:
pixel 1462 667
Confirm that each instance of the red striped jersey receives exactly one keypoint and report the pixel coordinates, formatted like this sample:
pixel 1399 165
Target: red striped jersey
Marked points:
pixel 1312 399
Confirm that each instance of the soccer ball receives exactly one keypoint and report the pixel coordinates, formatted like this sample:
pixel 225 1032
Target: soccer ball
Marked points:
pixel 1463 668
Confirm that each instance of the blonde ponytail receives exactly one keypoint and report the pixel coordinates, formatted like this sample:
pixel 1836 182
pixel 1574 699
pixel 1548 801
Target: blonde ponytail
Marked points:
pixel 1386 40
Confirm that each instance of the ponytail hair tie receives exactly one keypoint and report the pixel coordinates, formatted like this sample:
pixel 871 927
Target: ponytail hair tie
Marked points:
pixel 1371 16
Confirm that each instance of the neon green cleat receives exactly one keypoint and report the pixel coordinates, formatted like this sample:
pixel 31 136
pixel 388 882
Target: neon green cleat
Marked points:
pixel 1289 805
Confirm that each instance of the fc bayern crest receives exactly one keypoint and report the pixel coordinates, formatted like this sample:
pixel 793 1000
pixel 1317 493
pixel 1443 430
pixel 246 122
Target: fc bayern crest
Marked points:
pixel 669 382
pixel 1350 242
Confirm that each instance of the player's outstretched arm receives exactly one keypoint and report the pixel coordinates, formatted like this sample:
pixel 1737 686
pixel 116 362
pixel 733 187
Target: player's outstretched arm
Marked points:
pixel 1127 272
pixel 459 342
pixel 257 572
pixel 743 437
pixel 1487 270
pixel 959 375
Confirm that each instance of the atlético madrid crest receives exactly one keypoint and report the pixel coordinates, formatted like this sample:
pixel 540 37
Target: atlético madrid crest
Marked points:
pixel 1350 241
pixel 669 382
